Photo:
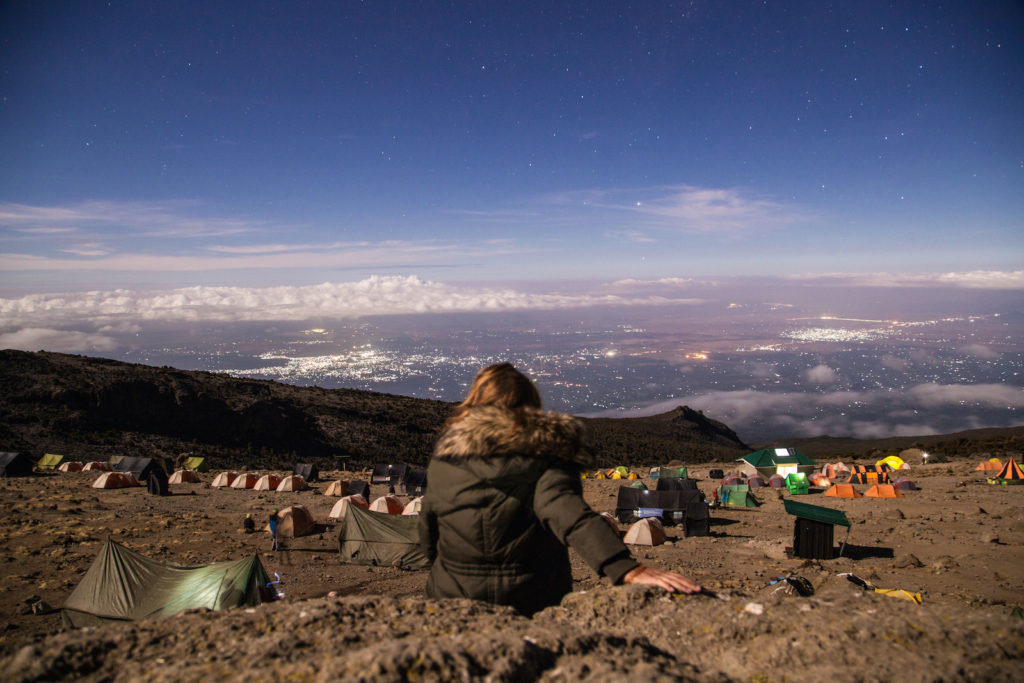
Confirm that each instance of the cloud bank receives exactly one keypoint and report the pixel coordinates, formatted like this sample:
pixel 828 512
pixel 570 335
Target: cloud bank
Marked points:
pixel 921 410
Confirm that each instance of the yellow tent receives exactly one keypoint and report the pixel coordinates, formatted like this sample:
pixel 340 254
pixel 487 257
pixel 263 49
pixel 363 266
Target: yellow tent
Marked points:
pixel 893 461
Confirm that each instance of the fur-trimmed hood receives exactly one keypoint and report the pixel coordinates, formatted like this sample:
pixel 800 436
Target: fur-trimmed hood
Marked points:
pixel 493 431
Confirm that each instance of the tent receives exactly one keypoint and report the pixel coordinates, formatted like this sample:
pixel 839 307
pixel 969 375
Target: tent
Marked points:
pixel 337 488
pixel 122 585
pixel 307 470
pixel 737 496
pixel 70 466
pixel 733 480
pixel 141 468
pixel 638 485
pixel 843 491
pixel 1010 474
pixel 868 478
pixel 339 509
pixel 820 480
pixel 615 475
pixel 15 465
pixel 883 491
pixel 224 479
pixel 755 482
pixel 904 484
pixel 992 465
pixel 387 473
pixel 622 470
pixel 245 480
pixel 50 461
pixel 292 482
pixel 784 461
pixel 111 480
pixel 293 522
pixel 268 482
pixel 893 461
pixel 374 538
pixel 796 483
pixel 413 507
pixel 358 488
pixel 387 504
pixel 670 473
pixel 196 463
pixel 414 483
pixel 184 477
pixel 97 466
pixel 647 531
pixel 834 470
pixel 777 481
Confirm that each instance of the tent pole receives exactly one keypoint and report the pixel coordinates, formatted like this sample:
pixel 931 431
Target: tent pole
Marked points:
pixel 843 544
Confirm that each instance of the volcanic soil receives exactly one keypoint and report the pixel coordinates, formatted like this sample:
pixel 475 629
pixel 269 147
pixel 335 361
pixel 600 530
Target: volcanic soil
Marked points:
pixel 957 541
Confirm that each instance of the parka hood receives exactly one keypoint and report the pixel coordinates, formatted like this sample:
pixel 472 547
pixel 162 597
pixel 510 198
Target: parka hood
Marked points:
pixel 494 431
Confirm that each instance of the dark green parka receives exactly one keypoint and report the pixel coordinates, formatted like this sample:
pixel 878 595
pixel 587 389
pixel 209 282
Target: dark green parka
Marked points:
pixel 503 501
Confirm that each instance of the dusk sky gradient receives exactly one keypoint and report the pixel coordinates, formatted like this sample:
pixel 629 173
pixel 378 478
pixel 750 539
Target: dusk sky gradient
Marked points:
pixel 148 144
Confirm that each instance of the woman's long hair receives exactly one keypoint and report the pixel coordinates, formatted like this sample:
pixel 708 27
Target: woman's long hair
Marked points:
pixel 499 385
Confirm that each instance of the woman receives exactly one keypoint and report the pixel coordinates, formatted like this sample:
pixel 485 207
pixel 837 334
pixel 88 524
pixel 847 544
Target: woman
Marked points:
pixel 504 501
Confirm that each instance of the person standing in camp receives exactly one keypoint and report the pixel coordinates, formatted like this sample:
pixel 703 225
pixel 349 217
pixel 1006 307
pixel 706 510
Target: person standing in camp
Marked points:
pixel 248 524
pixel 272 523
pixel 505 501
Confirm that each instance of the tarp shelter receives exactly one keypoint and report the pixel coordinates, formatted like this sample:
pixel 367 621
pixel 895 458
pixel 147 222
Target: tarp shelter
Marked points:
pixel 196 463
pixel 342 506
pixel 989 466
pixel 15 464
pixel 843 491
pixel 813 529
pixel 268 482
pixel 414 483
pixel 755 482
pixel 736 495
pixel 337 488
pixel 647 531
pixel 671 473
pixel 1010 474
pixel 893 461
pixel 293 521
pixel 50 461
pixel 111 480
pixel 777 481
pixel 292 483
pixel 70 466
pixel 184 477
pixel 374 538
pixel 413 507
pixel 224 479
pixel 883 491
pixel 97 466
pixel 387 473
pixel 307 470
pixel 388 505
pixel 784 461
pixel 122 585
pixel 796 483
pixel 245 480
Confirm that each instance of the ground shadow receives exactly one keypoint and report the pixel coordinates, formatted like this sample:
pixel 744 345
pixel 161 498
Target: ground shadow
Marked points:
pixel 865 552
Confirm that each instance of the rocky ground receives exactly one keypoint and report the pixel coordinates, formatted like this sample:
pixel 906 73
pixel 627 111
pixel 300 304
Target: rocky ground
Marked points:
pixel 958 541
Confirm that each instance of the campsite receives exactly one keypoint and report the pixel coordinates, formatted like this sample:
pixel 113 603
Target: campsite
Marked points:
pixel 956 541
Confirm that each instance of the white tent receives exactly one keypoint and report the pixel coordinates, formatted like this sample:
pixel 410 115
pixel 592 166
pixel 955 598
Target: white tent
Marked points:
pixel 647 531
pixel 339 509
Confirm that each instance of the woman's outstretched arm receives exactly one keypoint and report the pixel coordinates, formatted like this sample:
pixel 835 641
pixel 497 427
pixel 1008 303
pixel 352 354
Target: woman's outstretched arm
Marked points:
pixel 670 581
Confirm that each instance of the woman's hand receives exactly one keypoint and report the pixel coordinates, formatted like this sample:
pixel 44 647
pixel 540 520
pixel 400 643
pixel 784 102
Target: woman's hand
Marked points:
pixel 670 581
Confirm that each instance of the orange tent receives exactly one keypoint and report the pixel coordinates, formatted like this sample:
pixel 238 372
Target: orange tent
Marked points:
pixel 246 480
pixel 819 480
pixel 184 477
pixel 883 491
pixel 294 521
pixel 111 480
pixel 843 491
pixel 292 482
pixel 268 482
pixel 98 466
pixel 224 479
pixel 337 488
pixel 989 466
pixel 70 466
pixel 339 509
pixel 647 531
pixel 413 507
pixel 1011 472
pixel 388 504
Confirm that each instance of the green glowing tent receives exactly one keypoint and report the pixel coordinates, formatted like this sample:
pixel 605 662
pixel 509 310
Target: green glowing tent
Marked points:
pixel 122 585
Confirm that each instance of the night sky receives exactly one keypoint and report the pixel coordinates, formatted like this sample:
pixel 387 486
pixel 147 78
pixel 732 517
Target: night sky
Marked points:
pixel 291 143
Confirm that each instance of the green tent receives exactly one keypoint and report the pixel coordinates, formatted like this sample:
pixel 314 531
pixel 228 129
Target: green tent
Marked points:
pixel 378 538
pixel 622 470
pixel 196 463
pixel 122 585
pixel 638 485
pixel 50 461
pixel 796 484
pixel 672 473
pixel 736 495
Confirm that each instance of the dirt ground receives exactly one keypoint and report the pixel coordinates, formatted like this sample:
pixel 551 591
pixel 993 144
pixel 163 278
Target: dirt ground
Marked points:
pixel 957 541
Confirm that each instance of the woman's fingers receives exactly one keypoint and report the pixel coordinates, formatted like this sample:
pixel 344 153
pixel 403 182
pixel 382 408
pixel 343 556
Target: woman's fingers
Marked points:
pixel 670 581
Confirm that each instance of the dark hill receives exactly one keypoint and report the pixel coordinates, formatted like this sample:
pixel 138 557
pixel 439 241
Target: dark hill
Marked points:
pixel 92 408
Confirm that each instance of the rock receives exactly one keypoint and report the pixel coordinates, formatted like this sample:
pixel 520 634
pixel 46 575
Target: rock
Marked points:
pixel 990 538
pixel 908 560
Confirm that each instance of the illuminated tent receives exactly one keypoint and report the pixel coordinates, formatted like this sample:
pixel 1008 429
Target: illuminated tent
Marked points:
pixel 796 483
pixel 122 585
